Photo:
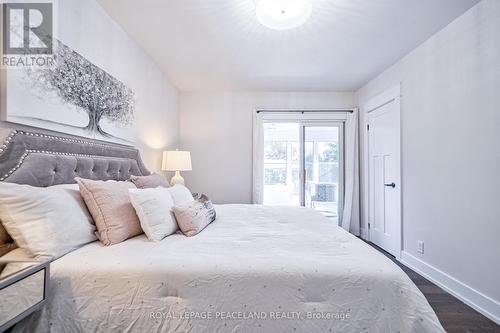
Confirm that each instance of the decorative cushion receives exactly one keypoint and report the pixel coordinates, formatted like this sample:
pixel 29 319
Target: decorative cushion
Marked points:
pixel 194 216
pixel 47 222
pixel 154 208
pixel 109 204
pixel 151 181
pixel 180 194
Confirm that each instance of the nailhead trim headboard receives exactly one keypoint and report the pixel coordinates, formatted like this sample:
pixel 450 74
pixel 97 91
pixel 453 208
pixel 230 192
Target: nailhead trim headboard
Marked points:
pixel 38 159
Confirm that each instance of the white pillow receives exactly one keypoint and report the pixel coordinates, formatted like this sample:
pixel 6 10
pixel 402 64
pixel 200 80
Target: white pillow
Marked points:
pixel 180 194
pixel 46 221
pixel 154 209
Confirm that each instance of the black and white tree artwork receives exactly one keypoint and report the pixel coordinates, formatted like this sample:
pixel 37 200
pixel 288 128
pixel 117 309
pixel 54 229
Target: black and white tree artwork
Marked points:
pixel 79 82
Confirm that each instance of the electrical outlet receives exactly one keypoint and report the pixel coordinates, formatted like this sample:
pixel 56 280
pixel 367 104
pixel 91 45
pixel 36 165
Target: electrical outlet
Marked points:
pixel 420 247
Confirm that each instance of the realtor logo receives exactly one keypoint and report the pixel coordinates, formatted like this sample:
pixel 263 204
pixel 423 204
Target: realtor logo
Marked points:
pixel 27 28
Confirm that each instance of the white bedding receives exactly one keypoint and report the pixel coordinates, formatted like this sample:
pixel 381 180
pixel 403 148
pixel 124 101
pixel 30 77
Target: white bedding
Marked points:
pixel 281 264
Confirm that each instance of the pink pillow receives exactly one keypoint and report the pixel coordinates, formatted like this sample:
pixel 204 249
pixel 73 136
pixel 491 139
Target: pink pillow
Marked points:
pixel 109 204
pixel 152 181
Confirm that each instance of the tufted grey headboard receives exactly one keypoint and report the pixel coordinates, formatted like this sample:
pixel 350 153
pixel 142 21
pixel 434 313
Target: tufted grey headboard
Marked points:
pixel 38 159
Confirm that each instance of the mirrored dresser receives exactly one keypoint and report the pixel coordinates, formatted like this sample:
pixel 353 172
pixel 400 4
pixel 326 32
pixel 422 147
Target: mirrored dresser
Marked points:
pixel 23 286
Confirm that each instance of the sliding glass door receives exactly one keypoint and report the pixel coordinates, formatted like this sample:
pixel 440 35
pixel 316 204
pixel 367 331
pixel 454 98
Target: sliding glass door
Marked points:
pixel 303 165
pixel 323 156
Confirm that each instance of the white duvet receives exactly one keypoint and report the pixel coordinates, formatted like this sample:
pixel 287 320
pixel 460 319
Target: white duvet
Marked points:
pixel 255 269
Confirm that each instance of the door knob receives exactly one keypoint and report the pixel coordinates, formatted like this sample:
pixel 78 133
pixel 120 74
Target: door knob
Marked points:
pixel 391 185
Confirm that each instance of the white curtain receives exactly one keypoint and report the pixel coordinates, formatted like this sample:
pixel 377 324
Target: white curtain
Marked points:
pixel 350 216
pixel 258 158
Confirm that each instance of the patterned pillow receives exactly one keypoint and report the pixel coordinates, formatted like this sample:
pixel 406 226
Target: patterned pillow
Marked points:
pixel 152 181
pixel 194 216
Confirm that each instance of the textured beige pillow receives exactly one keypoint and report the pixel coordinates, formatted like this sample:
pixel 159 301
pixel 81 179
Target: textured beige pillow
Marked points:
pixel 109 204
pixel 194 216
pixel 152 181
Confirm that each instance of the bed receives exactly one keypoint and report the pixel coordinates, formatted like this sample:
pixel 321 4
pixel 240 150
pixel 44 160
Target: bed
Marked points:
pixel 255 269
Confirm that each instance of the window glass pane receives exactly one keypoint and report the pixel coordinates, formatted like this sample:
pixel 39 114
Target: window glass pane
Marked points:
pixel 281 164
pixel 329 172
pixel 328 152
pixel 322 158
pixel 275 150
pixel 275 176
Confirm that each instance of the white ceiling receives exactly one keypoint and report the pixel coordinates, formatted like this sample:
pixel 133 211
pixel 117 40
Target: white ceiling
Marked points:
pixel 219 45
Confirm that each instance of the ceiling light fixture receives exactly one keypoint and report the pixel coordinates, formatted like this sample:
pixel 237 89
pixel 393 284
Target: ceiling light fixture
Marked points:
pixel 283 14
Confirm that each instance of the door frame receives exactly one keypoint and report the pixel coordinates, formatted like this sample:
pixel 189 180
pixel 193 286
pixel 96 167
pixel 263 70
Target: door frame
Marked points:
pixel 392 94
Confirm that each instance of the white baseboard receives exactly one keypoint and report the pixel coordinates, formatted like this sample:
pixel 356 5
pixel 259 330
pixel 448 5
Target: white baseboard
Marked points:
pixel 475 299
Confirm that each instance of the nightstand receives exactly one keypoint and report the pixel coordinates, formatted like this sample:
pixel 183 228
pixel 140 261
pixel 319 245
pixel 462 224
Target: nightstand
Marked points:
pixel 23 289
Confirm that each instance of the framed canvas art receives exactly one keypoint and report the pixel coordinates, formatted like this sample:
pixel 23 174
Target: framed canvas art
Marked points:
pixel 73 95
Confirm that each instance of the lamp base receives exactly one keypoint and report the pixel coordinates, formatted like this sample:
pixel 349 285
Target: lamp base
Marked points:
pixel 177 179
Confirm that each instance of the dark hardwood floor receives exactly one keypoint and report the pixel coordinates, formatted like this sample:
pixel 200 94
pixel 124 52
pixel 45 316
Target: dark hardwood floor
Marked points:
pixel 455 316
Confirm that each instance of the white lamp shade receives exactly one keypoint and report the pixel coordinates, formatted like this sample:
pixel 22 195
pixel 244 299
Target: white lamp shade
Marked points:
pixel 176 160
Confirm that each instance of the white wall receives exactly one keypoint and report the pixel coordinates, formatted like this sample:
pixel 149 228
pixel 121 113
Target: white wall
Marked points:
pixel 217 129
pixel 85 27
pixel 451 153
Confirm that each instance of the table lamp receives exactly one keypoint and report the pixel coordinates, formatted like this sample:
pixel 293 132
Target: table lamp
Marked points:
pixel 176 160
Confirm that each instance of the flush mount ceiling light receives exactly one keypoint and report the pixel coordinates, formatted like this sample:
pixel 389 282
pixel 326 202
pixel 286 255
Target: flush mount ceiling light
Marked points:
pixel 283 14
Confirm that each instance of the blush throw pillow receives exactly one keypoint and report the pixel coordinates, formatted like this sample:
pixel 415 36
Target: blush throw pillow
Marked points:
pixel 109 204
pixel 154 208
pixel 180 194
pixel 194 216
pixel 46 221
pixel 151 181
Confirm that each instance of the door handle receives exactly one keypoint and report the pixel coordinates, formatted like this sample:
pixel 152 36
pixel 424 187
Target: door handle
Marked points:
pixel 391 185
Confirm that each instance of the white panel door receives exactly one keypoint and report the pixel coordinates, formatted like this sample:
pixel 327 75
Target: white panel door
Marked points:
pixel 385 176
